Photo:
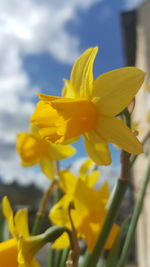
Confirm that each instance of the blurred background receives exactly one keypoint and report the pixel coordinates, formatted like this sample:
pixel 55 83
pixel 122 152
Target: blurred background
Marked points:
pixel 39 41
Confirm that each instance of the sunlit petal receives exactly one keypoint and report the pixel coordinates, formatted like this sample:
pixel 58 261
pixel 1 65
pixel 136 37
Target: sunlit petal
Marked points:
pixel 21 222
pixel 68 182
pixel 86 166
pixel 58 152
pixel 114 90
pixel 47 166
pixel 82 73
pixel 91 179
pixel 61 242
pixel 115 131
pixel 97 149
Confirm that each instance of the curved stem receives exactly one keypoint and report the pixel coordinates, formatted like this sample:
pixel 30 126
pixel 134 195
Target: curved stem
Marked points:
pixel 42 207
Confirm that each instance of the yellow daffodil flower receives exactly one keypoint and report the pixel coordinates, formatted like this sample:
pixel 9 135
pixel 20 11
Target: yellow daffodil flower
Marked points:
pixel 88 108
pixel 22 247
pixel 35 150
pixel 88 212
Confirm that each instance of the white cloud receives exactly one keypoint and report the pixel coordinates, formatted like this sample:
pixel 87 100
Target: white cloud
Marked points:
pixel 11 171
pixel 37 26
pixel 29 27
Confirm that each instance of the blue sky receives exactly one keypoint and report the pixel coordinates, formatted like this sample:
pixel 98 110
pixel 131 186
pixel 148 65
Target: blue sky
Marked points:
pixel 40 41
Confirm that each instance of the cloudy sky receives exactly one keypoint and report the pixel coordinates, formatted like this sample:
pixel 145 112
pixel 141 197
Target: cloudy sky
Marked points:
pixel 39 41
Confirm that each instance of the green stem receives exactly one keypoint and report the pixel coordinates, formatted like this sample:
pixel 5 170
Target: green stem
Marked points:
pixel 51 258
pixel 134 220
pixel 126 117
pixel 54 257
pixel 114 206
pixel 42 208
pixel 64 257
pixel 37 225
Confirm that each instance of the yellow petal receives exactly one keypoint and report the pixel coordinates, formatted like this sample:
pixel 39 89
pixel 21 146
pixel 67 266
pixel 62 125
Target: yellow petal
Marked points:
pixel 103 195
pixel 68 182
pixel 115 131
pixel 27 164
pixel 112 236
pixel 34 130
pixel 97 149
pixel 86 166
pixel 7 210
pixel 82 75
pixel 8 213
pixel 47 97
pixel 47 166
pixel 8 253
pixel 71 140
pixel 21 222
pixel 114 90
pixel 58 152
pixel 61 242
pixel 91 179
pixel 90 231
pixel 84 197
pixel 68 90
pixel 59 212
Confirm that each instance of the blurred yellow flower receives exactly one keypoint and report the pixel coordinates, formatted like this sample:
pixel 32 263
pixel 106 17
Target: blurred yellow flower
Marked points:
pixel 35 150
pixel 87 108
pixel 88 212
pixel 22 244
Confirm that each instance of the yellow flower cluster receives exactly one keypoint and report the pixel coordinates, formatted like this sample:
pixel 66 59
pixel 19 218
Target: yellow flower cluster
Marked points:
pixel 88 209
pixel 90 108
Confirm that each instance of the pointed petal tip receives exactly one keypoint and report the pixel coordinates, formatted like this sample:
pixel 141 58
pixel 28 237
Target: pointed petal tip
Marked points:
pixel 96 47
pixel 138 71
pixel 140 149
